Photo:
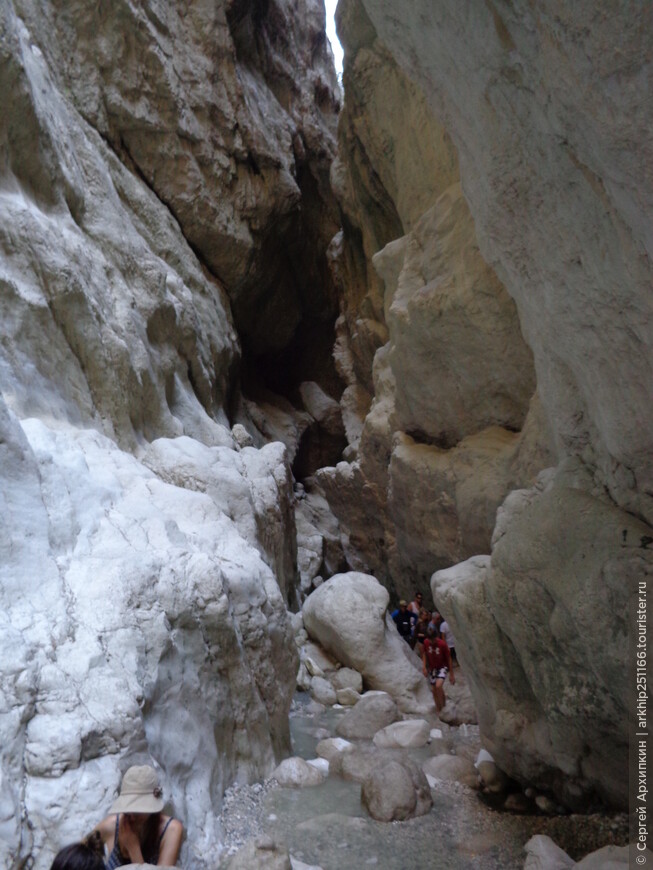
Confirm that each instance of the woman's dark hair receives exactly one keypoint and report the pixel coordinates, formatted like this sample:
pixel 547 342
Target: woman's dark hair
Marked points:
pixel 150 842
pixel 87 855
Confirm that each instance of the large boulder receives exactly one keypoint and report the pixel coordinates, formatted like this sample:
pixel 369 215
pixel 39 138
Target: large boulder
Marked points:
pixel 295 772
pixel 348 616
pixel 373 712
pixel 410 733
pixel 396 791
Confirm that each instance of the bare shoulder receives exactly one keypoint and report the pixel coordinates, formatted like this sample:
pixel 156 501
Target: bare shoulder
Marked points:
pixel 174 826
pixel 106 827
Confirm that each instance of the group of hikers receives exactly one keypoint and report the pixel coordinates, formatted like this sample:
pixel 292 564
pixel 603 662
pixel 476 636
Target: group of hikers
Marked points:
pixel 432 639
pixel 136 831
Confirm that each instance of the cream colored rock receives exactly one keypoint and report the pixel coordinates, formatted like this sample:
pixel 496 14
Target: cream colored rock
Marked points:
pixel 347 697
pixel 348 616
pixel 451 768
pixel 332 747
pixel 550 174
pixel 347 678
pixel 297 773
pixel 563 558
pixel 456 349
pixel 410 733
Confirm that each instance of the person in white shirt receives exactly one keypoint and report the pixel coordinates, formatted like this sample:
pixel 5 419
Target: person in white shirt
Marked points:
pixel 447 635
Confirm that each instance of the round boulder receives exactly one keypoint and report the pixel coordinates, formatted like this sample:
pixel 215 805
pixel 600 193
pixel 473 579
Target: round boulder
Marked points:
pixel 297 773
pixel 347 697
pixel 396 791
pixel 332 747
pixel 323 692
pixel 411 733
pixel 347 678
pixel 370 714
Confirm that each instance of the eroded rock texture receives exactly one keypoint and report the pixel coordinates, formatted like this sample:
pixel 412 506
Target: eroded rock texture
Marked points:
pixel 439 410
pixel 546 109
pixel 161 165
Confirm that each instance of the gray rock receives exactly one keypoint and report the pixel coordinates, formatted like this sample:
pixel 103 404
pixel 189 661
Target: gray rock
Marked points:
pixel 332 747
pixel 347 678
pixel 412 732
pixel 322 691
pixel 451 768
pixel 543 854
pixel 396 791
pixel 347 616
pixel 262 854
pixel 368 716
pixel 297 773
pixel 347 697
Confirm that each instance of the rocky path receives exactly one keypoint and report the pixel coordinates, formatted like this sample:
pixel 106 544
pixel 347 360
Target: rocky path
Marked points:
pixel 326 825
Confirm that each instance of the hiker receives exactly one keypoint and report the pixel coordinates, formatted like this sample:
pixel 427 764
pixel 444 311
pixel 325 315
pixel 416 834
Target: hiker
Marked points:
pixel 87 855
pixel 404 620
pixel 136 831
pixel 416 604
pixel 447 635
pixel 420 630
pixel 436 661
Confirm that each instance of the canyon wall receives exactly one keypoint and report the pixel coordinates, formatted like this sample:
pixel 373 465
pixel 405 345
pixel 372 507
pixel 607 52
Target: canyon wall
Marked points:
pixel 440 406
pixel 162 171
pixel 548 108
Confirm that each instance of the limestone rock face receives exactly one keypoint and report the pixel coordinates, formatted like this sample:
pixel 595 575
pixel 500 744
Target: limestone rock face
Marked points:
pixel 557 181
pixel 120 592
pixel 556 720
pixel 347 615
pixel 428 332
pixel 228 115
pixel 147 555
pixel 558 185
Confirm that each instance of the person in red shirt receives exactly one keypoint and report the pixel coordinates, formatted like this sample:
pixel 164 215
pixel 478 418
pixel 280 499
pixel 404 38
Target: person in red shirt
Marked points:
pixel 436 659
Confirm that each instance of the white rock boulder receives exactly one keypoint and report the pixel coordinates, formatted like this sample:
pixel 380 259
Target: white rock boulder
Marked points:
pixel 410 733
pixel 295 772
pixel 347 615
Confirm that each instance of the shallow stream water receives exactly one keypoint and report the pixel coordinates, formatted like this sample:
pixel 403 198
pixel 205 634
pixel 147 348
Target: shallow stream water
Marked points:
pixel 327 826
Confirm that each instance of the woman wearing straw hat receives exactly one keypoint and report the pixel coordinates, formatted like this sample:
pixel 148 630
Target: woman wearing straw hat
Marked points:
pixel 136 831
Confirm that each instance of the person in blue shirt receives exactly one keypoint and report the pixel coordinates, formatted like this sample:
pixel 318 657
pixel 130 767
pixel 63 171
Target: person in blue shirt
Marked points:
pixel 405 621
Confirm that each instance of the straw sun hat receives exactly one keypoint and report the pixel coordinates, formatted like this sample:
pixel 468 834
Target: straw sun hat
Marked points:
pixel 139 792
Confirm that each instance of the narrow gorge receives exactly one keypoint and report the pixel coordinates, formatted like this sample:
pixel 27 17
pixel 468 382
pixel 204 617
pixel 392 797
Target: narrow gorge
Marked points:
pixel 268 335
